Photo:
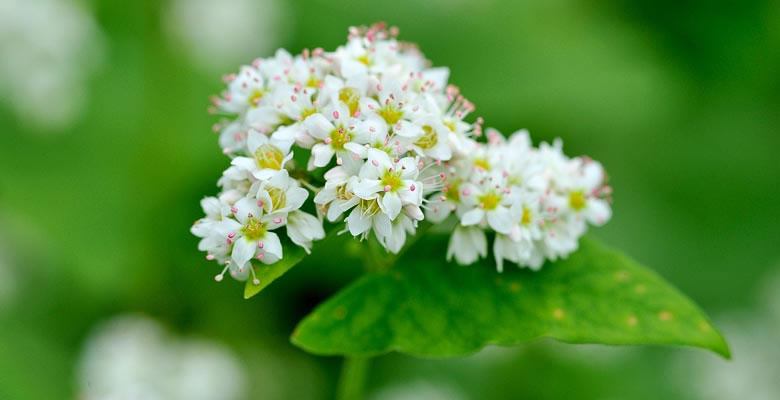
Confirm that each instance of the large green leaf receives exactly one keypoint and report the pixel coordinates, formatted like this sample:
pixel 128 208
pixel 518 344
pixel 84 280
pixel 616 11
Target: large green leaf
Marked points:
pixel 426 307
pixel 268 273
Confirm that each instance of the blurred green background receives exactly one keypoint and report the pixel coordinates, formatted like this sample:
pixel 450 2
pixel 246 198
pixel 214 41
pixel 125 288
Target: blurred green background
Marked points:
pixel 106 150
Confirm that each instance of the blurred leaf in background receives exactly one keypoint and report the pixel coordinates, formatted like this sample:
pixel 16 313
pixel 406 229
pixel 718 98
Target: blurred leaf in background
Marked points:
pixel 679 101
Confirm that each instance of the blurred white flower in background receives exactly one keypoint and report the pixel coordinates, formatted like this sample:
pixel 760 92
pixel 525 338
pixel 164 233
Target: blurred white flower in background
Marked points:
pixel 217 35
pixel 133 357
pixel 48 51
pixel 420 390
pixel 754 371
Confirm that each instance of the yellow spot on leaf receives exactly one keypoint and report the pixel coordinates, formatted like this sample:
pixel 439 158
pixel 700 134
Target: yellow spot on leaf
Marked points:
pixel 631 320
pixel 621 276
pixel 558 313
pixel 340 312
pixel 664 315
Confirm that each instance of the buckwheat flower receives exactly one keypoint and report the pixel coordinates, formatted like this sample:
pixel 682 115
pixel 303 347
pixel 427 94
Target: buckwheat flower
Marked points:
pixel 279 195
pixel 467 245
pixel 491 202
pixel 367 215
pixel 207 229
pixel 395 104
pixel 399 228
pixel 337 196
pixel 232 137
pixel 246 90
pixel 504 247
pixel 585 188
pixel 268 154
pixel 447 201
pixel 303 229
pixel 527 215
pixel 295 104
pixel 331 131
pixel 430 140
pixel 251 237
pixel 392 182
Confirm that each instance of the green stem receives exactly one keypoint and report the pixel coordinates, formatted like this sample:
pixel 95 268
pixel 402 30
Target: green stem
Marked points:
pixel 352 381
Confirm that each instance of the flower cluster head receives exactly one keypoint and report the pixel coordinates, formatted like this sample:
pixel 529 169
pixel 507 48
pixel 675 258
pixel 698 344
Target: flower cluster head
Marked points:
pixel 371 136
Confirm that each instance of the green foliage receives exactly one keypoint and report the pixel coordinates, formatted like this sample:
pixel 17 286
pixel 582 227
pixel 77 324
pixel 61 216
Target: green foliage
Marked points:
pixel 424 306
pixel 268 273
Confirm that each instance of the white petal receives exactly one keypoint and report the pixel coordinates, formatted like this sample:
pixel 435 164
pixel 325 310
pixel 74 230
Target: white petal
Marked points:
pixel 244 163
pixel 326 195
pixel 367 188
pixel 296 196
pixel 472 217
pixel 243 251
pixel 322 153
pixel 272 245
pixel 500 220
pixel 357 222
pixel 254 140
pixel 318 126
pixel 391 205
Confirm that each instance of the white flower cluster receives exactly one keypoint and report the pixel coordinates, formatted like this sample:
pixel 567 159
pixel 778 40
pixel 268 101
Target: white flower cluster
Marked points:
pixel 379 136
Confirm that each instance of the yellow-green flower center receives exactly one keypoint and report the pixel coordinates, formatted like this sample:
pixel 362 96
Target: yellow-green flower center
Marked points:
pixel 278 198
pixel 313 82
pixel 254 229
pixel 526 219
pixel 364 60
pixel 489 200
pixel 343 194
pixel 453 191
pixel 351 98
pixel 577 200
pixel 450 124
pixel 339 137
pixel 429 140
pixel 392 180
pixel 390 113
pixel 307 112
pixel 369 207
pixel 254 99
pixel 269 156
pixel 482 163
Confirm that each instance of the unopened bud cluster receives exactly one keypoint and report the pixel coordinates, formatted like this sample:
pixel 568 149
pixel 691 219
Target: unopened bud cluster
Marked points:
pixel 377 139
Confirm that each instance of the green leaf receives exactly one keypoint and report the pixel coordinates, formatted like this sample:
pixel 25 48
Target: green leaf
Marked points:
pixel 426 307
pixel 268 273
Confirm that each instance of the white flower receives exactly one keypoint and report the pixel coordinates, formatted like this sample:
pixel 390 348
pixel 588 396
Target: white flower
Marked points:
pixel 395 239
pixel 251 237
pixel 366 215
pixel 337 195
pixel 303 228
pixel 279 195
pixel 392 183
pixel 269 155
pixel 431 140
pixel 491 202
pixel 467 245
pixel 331 132
pixel 583 189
